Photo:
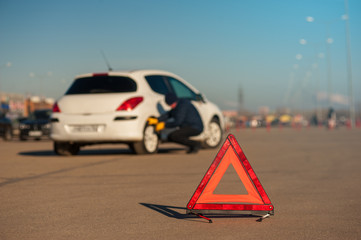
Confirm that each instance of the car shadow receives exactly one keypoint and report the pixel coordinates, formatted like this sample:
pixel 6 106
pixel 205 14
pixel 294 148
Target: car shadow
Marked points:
pixel 45 153
pixel 96 152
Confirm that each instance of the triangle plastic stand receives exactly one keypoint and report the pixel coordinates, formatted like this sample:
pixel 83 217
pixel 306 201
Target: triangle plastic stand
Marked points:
pixel 255 201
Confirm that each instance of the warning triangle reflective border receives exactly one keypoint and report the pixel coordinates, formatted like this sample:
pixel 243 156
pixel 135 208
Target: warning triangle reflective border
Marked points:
pixel 205 201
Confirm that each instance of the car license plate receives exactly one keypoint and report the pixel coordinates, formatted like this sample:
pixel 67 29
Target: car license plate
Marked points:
pixel 86 128
pixel 35 133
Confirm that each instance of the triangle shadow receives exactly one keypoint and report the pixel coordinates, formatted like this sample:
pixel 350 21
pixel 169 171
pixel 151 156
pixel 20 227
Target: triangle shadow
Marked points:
pixel 172 212
pixel 167 210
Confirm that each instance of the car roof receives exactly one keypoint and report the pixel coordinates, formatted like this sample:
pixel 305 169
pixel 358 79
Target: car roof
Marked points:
pixel 139 73
pixel 128 73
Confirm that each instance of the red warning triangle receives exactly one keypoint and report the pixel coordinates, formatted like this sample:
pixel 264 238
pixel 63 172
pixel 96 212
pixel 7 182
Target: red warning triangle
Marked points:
pixel 205 200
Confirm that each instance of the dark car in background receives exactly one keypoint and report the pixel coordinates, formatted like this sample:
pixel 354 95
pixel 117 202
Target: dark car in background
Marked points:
pixel 6 129
pixel 36 126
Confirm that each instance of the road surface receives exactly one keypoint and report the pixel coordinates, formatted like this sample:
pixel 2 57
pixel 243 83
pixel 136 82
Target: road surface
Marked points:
pixel 312 176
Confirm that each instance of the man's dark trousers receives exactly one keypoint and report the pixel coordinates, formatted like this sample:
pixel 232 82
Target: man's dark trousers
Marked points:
pixel 182 135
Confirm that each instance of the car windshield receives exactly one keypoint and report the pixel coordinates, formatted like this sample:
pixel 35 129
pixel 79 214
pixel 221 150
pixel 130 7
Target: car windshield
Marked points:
pixel 102 84
pixel 40 114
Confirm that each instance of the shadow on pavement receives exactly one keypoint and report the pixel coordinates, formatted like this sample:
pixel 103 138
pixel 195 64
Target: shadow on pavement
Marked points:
pixel 63 170
pixel 173 212
pixel 45 153
pixel 89 152
pixel 169 211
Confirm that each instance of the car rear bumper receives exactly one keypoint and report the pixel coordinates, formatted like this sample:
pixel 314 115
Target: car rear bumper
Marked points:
pixel 96 129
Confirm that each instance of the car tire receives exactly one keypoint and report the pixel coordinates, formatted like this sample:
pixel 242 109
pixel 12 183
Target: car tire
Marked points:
pixel 215 134
pixel 66 148
pixel 149 143
pixel 8 135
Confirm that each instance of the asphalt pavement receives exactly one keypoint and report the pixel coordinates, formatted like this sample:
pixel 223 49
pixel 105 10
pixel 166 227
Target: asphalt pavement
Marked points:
pixel 311 175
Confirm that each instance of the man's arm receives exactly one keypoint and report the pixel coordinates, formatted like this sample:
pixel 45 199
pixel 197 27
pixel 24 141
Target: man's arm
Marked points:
pixel 179 114
pixel 164 117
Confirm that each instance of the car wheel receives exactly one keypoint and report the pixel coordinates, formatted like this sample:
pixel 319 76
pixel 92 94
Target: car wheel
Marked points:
pixel 149 144
pixel 215 134
pixel 66 148
pixel 8 134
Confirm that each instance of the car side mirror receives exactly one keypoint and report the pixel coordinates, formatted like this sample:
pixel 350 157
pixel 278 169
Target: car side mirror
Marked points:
pixel 200 98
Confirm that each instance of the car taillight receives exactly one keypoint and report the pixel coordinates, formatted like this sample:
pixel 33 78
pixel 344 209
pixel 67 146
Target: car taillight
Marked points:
pixel 130 104
pixel 56 108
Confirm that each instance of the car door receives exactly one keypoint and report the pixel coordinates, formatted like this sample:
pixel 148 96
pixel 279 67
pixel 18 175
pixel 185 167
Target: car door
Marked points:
pixel 159 84
pixel 183 91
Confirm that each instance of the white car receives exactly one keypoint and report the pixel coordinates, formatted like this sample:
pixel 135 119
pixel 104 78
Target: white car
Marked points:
pixel 113 107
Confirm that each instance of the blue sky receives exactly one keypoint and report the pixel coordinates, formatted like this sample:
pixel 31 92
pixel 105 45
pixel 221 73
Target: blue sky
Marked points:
pixel 217 46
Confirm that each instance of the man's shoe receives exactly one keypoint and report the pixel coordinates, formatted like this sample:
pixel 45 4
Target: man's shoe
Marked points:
pixel 193 149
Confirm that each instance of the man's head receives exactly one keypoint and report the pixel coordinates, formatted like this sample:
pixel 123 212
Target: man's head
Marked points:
pixel 171 99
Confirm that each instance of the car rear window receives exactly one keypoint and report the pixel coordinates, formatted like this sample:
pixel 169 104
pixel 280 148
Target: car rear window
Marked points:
pixel 157 84
pixel 102 84
pixel 44 114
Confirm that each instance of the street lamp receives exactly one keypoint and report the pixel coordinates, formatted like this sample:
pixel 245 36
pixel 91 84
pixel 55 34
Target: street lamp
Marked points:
pixel 310 19
pixel 293 77
pixel 328 42
pixel 345 17
pixel 315 66
pixel 349 66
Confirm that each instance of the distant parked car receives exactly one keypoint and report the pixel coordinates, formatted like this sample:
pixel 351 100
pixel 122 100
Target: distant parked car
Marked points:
pixel 113 107
pixel 6 129
pixel 36 126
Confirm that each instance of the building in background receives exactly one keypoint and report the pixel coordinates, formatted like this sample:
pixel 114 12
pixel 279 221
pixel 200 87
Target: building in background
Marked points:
pixel 16 105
